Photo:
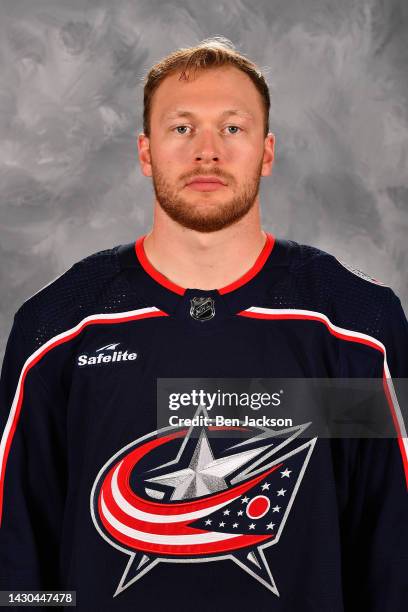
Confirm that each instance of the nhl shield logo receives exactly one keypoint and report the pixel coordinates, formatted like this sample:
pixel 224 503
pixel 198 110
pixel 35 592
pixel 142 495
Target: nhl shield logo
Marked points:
pixel 202 308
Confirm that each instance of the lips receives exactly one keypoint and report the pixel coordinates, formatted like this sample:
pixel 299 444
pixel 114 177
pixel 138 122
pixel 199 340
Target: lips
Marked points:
pixel 206 179
pixel 201 185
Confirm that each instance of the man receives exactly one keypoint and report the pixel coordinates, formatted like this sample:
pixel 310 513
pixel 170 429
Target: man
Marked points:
pixel 99 494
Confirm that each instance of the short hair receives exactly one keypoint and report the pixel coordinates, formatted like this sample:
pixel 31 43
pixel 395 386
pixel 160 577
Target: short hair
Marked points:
pixel 209 53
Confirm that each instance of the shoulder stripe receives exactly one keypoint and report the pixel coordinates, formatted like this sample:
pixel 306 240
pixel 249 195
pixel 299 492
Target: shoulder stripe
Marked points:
pixel 310 315
pixel 95 319
pixel 256 312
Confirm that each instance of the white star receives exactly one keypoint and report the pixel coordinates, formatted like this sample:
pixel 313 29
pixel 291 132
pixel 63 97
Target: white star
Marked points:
pixel 235 525
pixel 208 522
pixel 281 492
pixel 270 525
pixel 204 474
pixel 286 473
pixel 245 500
pixel 240 513
pixel 226 511
pixel 252 526
pixel 222 524
pixel 276 509
pixel 266 485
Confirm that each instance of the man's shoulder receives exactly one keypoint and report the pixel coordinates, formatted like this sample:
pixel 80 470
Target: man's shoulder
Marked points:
pixel 82 278
pixel 318 261
pixel 91 285
pixel 324 283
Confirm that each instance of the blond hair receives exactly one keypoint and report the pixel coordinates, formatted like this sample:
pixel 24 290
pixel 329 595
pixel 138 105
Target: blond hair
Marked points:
pixel 211 52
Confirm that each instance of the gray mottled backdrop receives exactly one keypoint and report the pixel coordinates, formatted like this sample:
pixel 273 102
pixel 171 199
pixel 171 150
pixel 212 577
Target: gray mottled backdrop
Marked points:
pixel 71 108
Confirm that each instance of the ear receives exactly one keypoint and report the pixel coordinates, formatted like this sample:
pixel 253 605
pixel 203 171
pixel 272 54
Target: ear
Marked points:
pixel 143 146
pixel 269 154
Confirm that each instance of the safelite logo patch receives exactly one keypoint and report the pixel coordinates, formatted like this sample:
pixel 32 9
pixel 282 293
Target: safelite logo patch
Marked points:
pixel 104 355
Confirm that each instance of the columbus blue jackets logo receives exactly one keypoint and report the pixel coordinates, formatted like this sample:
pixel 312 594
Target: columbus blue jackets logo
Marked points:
pixel 195 495
pixel 202 308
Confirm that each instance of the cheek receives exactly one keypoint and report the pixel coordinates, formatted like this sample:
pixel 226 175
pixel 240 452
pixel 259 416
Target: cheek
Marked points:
pixel 172 153
pixel 242 151
pixel 180 152
pixel 246 159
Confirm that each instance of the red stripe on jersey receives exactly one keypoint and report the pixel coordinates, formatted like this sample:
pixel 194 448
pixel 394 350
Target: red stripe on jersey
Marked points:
pixel 350 336
pixel 163 280
pixel 30 362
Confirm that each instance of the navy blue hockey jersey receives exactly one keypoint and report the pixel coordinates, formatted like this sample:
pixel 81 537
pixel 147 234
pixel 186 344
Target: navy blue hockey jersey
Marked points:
pixel 97 497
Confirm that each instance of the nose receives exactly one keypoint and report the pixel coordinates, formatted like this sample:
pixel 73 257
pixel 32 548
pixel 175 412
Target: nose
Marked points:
pixel 206 147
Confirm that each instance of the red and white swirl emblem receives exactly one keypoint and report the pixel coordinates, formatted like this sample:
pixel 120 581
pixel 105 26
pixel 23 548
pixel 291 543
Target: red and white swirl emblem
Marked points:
pixel 167 497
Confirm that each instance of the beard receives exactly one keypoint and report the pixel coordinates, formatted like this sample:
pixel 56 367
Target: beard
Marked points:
pixel 205 216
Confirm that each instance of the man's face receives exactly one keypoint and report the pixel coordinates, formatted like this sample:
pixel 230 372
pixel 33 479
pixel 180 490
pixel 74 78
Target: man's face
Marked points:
pixel 207 140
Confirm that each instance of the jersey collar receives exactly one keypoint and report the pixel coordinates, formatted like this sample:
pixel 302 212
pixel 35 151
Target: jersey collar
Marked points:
pixel 245 278
pixel 251 289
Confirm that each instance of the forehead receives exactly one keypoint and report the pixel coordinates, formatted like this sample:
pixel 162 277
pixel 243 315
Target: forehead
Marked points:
pixel 224 91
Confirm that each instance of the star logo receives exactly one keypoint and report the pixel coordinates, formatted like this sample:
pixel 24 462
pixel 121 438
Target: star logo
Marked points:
pixel 168 497
pixel 286 473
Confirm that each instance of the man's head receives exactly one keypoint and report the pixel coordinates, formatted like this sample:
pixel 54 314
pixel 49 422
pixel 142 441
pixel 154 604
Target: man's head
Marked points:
pixel 190 131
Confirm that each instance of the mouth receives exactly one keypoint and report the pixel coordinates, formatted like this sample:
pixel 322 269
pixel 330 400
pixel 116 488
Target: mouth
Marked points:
pixel 203 183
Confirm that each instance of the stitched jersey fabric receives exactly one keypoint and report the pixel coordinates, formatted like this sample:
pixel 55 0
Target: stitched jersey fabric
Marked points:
pixel 96 497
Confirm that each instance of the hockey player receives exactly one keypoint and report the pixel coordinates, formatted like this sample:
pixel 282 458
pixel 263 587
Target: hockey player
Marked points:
pixel 98 495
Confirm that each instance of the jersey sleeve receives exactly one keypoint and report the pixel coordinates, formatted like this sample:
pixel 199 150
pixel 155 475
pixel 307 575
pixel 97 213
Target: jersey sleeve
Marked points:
pixel 395 338
pixel 32 482
pixel 375 528
pixel 395 376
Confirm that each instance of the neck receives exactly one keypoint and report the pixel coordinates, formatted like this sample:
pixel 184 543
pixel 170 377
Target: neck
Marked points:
pixel 204 260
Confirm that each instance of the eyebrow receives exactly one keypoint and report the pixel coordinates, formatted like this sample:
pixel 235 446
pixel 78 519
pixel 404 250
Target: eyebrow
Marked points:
pixel 226 113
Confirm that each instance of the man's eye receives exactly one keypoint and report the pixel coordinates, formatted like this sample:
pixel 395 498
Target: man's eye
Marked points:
pixel 235 127
pixel 183 127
